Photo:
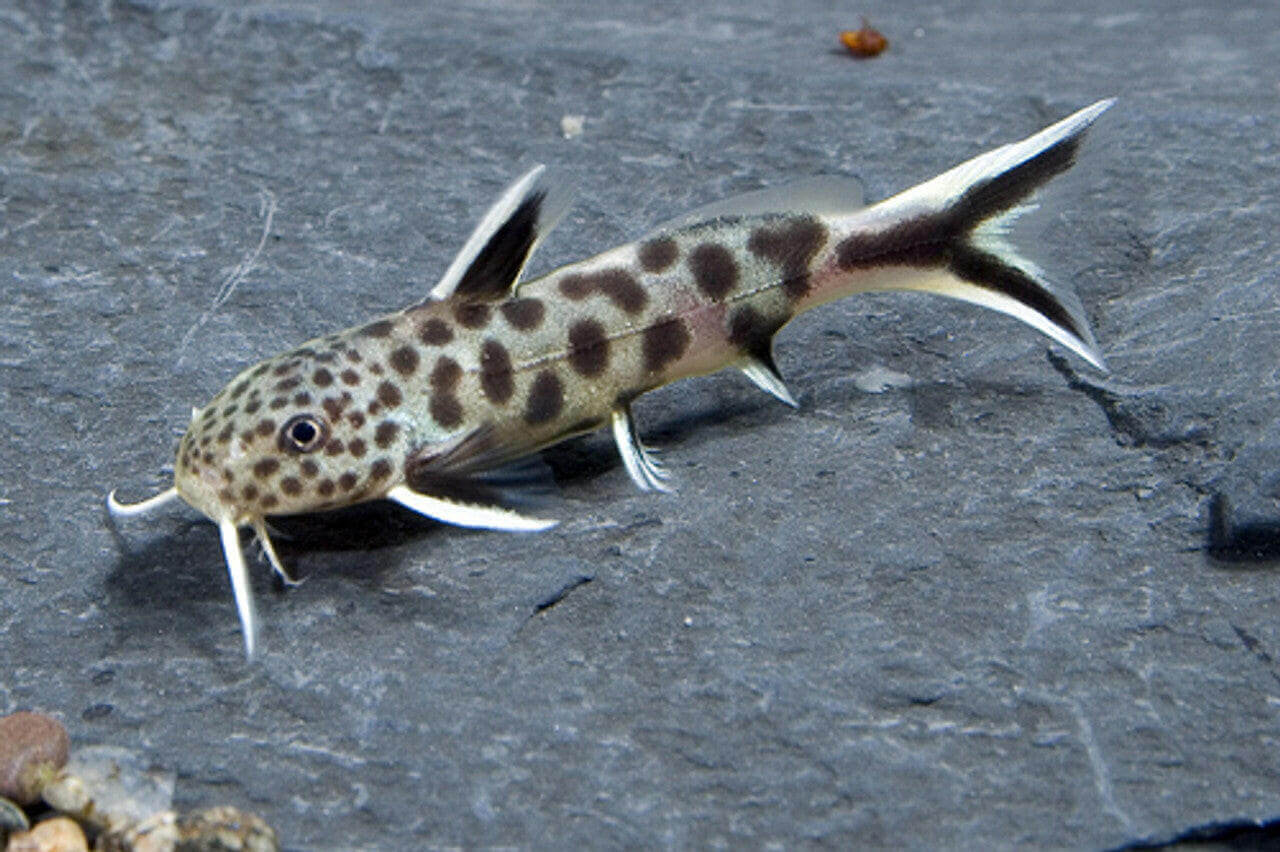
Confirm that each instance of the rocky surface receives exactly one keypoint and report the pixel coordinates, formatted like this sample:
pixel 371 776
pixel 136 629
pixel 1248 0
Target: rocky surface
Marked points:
pixel 971 594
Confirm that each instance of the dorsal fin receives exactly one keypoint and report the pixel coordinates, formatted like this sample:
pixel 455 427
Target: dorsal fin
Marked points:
pixel 819 195
pixel 489 264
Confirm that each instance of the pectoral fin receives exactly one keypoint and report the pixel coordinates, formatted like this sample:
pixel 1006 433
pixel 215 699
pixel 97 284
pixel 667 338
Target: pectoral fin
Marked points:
pixel 461 514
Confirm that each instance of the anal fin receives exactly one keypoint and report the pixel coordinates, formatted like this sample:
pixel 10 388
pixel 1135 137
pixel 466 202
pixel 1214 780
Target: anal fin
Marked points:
pixel 764 374
pixel 645 472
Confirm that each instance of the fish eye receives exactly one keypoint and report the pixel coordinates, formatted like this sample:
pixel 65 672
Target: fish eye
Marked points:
pixel 302 433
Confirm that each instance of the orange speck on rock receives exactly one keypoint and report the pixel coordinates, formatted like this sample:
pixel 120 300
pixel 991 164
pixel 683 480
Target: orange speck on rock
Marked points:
pixel 865 42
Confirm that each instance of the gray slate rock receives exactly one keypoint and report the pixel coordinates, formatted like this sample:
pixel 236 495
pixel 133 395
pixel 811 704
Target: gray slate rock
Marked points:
pixel 982 604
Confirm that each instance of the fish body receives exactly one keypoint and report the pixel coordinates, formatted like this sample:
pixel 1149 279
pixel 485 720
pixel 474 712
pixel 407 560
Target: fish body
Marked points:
pixel 421 405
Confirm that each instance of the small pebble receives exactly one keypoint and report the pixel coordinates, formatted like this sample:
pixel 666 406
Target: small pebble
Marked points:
pixel 109 789
pixel 33 747
pixel 12 818
pixel 55 835
pixel 156 833
pixel 225 829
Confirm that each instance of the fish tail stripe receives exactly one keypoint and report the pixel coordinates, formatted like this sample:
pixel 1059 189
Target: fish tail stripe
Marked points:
pixel 954 224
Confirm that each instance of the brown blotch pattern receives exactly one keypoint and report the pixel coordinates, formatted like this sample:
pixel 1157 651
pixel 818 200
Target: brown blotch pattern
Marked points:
pixel 523 314
pixel 379 470
pixel 350 377
pixel 325 488
pixel 404 360
pixel 658 254
pixel 588 347
pixel 224 437
pixel 546 398
pixel 792 246
pixel 435 332
pixel 289 383
pixel 381 328
pixel 348 481
pixel 472 314
pixel 749 329
pixel 496 379
pixel 445 408
pixel 265 468
pixel 333 407
pixel 268 501
pixel 310 469
pixel 714 269
pixel 664 342
pixel 357 447
pixel 356 419
pixel 386 433
pixel 301 399
pixel 322 378
pixel 389 394
pixel 291 485
pixel 618 285
pixel 250 493
pixel 266 427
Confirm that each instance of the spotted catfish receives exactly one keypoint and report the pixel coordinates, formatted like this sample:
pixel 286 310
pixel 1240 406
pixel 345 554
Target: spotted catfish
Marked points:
pixel 419 406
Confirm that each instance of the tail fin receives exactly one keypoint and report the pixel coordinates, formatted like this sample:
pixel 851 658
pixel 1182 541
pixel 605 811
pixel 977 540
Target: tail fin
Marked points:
pixel 945 236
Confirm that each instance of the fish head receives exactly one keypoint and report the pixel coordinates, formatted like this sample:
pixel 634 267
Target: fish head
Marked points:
pixel 297 433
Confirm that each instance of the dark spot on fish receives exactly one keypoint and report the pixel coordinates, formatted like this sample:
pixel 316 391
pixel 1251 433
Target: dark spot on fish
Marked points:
pixel 435 332
pixel 792 246
pixel 386 433
pixel 404 360
pixel 291 485
pixel 356 447
pixel 445 407
pixel 348 481
pixel 374 408
pixel 239 389
pixel 335 447
pixel 588 347
pixel 350 377
pixel 283 368
pixel 226 496
pixel 322 378
pixel 749 329
pixel 268 501
pixel 265 468
pixel 381 328
pixel 523 314
pixel 252 406
pixel 664 342
pixel 619 285
pixel 354 356
pixel 356 419
pixel 301 399
pixel 380 469
pixel 279 403
pixel 496 378
pixel 229 410
pixel 714 269
pixel 266 427
pixel 310 469
pixel 250 493
pixel 333 407
pixel 325 488
pixel 472 314
pixel 224 437
pixel 389 394
pixel 546 398
pixel 657 254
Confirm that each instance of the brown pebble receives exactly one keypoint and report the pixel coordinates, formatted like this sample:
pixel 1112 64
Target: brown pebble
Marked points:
pixel 33 747
pixel 225 829
pixel 60 834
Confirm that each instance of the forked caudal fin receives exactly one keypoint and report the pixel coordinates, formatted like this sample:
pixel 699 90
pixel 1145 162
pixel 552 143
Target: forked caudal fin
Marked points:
pixel 945 236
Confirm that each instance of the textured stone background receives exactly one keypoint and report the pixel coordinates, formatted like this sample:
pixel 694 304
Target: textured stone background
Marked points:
pixel 972 593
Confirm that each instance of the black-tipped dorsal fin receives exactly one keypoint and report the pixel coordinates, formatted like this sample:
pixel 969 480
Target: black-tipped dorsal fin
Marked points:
pixel 489 265
pixel 825 195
